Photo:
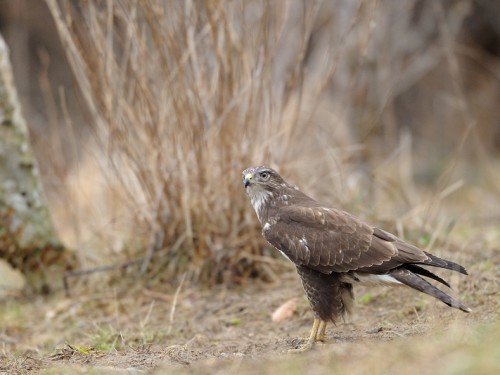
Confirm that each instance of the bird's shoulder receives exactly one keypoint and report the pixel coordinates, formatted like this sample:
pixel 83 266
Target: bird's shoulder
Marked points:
pixel 315 216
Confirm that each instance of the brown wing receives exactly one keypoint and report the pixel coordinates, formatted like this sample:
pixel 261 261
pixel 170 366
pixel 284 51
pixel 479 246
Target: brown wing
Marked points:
pixel 330 240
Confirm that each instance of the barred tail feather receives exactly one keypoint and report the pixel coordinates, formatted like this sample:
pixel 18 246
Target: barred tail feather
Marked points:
pixel 424 272
pixel 416 282
pixel 443 263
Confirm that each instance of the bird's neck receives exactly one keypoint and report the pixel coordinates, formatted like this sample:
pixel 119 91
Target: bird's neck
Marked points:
pixel 267 203
pixel 261 202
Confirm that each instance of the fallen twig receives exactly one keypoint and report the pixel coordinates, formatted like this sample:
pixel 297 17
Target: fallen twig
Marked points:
pixel 89 271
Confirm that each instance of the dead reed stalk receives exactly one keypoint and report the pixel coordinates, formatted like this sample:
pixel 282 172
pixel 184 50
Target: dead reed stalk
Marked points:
pixel 185 94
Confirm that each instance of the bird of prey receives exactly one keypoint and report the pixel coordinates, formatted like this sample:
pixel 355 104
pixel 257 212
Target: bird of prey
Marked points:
pixel 334 250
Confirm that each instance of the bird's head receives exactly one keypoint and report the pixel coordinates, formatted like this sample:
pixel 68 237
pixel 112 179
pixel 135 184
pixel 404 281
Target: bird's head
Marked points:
pixel 261 185
pixel 261 180
pixel 267 190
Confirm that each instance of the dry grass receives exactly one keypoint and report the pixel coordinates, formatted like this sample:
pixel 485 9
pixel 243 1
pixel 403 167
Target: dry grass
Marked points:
pixel 182 99
pixel 184 95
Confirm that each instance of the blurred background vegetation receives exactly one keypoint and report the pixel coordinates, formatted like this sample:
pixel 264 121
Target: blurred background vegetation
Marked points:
pixel 143 114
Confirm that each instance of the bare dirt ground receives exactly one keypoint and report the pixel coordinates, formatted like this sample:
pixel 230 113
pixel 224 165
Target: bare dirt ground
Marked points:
pixel 138 330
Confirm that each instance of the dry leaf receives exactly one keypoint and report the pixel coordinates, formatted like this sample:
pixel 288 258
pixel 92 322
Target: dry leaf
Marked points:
pixel 285 311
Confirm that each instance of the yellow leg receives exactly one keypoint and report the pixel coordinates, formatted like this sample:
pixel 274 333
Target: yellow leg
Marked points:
pixel 312 338
pixel 321 331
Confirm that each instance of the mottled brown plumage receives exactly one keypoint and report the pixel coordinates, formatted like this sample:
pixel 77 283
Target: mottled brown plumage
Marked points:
pixel 333 249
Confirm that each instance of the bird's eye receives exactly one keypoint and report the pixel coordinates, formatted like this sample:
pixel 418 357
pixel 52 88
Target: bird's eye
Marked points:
pixel 264 175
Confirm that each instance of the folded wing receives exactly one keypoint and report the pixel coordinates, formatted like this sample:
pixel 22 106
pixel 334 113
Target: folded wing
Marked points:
pixel 330 240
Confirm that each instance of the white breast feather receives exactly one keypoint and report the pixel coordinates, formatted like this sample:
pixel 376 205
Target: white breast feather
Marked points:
pixel 259 199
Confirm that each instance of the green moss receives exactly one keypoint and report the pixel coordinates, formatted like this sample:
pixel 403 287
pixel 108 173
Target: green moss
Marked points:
pixel 366 298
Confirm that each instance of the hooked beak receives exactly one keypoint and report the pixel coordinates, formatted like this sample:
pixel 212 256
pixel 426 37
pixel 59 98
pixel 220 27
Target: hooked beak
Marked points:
pixel 247 179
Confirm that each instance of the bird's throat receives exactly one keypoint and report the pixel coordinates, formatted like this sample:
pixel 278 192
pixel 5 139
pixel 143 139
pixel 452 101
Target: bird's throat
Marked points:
pixel 259 200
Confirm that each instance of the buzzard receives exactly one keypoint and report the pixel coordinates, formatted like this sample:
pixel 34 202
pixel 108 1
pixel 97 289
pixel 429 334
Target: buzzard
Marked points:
pixel 334 250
